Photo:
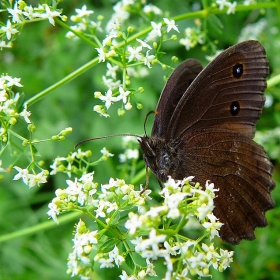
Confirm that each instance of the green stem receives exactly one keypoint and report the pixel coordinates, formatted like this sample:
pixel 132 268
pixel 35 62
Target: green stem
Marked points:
pixel 63 81
pixel 40 227
pixel 273 81
pixel 17 135
pixel 277 3
pixel 78 34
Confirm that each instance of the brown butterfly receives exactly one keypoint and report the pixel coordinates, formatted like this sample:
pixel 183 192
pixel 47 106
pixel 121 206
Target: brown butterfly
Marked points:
pixel 204 127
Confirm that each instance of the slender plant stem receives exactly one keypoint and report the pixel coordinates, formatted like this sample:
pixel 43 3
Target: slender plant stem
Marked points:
pixel 42 226
pixel 273 81
pixel 63 81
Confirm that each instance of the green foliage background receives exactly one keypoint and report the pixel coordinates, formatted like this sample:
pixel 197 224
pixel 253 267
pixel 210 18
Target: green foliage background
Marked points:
pixel 42 56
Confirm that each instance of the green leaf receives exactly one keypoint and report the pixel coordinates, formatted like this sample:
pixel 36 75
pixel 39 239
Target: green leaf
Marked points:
pixel 20 102
pixel 129 261
pixel 35 151
pixel 215 24
pixel 109 245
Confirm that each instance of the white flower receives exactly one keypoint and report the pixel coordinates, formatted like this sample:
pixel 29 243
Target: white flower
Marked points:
pixel 211 254
pixel 222 3
pixel 132 153
pixel 226 258
pixel 100 210
pixel 3 96
pixel 108 98
pixel 144 44
pixel 137 242
pixel 148 59
pixel 50 14
pixel 3 44
pixel 123 94
pixel 197 261
pixel 213 226
pixel 22 174
pixel 9 30
pixel 187 42
pixel 128 106
pixel 231 8
pixel 152 8
pixel 110 83
pixel 112 70
pixel 37 179
pixel 150 268
pixel 156 28
pixel 106 263
pixel 153 241
pixel 15 13
pixel 135 53
pixel 171 250
pixel 106 153
pixel 25 114
pixel 53 212
pixel 29 13
pixel 100 110
pixel 101 54
pixel 133 223
pixel 170 25
pixel 56 164
pixel 124 276
pixel 12 81
pixel 114 254
pixel 83 12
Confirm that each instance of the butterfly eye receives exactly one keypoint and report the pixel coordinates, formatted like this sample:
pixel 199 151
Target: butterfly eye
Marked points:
pixel 234 108
pixel 237 70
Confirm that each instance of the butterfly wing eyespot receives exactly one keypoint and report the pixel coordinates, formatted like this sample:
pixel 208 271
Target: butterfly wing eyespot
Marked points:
pixel 234 108
pixel 237 70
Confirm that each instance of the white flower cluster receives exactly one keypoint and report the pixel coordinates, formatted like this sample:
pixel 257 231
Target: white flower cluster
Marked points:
pixel 11 105
pixel 150 234
pixel 122 59
pixel 193 36
pixel 75 160
pixel 83 22
pixel 20 13
pixel 31 179
pixel 83 192
pixel 177 199
pixel 224 3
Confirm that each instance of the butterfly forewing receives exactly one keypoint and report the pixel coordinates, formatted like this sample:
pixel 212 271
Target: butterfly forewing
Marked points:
pixel 209 100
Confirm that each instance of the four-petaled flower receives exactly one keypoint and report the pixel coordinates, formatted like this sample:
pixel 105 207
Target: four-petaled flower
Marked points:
pixel 170 25
pixel 9 30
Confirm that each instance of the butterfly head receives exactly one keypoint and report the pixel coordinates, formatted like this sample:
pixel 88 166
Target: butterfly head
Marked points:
pixel 158 156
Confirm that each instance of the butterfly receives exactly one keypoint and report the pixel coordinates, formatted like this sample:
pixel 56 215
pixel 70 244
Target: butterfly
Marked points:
pixel 205 122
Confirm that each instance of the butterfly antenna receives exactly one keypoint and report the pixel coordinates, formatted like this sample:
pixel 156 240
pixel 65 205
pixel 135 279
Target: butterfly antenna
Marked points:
pixel 103 137
pixel 151 112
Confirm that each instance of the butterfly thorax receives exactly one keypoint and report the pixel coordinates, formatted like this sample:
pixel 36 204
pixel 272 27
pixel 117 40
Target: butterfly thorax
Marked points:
pixel 160 156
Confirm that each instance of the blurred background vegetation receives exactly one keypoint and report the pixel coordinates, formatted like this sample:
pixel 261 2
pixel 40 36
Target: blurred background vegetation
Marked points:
pixel 42 56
